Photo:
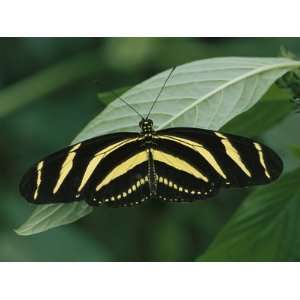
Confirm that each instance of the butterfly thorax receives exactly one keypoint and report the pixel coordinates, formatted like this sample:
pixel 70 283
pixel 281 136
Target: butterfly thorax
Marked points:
pixel 146 126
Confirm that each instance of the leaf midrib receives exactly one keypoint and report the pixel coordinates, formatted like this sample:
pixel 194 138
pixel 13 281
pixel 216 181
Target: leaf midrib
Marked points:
pixel 229 83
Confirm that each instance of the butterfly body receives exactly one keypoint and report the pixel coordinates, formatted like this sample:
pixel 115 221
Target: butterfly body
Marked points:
pixel 173 165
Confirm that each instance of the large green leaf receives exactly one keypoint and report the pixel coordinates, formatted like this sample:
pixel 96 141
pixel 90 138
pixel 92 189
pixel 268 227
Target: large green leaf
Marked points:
pixel 265 228
pixel 205 93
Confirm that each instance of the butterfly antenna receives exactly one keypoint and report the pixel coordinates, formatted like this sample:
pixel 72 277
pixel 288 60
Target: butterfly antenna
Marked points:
pixel 162 88
pixel 119 97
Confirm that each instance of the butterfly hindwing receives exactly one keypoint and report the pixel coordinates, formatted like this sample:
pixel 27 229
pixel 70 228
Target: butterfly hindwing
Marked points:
pixel 174 185
pixel 126 184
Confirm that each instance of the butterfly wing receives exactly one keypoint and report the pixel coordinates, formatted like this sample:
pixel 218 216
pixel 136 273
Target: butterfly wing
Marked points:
pixel 125 184
pixel 69 175
pixel 188 164
pixel 178 179
pixel 193 163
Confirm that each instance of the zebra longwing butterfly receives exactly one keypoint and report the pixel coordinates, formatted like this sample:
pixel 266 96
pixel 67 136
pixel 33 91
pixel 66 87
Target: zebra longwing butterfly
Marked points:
pixel 173 165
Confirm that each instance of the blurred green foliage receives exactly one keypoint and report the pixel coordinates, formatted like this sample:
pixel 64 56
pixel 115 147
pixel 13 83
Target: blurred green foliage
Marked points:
pixel 48 92
pixel 264 228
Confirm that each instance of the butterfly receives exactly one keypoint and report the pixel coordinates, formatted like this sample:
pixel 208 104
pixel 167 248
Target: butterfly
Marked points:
pixel 125 169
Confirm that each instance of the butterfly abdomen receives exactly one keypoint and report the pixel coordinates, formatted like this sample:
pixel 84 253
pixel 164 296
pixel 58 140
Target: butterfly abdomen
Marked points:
pixel 152 174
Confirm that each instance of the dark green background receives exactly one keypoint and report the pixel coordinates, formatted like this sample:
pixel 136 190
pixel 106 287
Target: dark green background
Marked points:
pixel 48 92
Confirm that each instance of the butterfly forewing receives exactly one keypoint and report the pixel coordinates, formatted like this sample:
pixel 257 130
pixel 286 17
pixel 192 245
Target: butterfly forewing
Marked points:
pixel 227 160
pixel 68 175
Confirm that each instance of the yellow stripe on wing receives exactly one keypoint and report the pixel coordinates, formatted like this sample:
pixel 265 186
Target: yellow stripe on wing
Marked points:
pixel 205 153
pixel 178 164
pixel 66 167
pixel 261 158
pixel 94 162
pixel 39 179
pixel 123 168
pixel 233 153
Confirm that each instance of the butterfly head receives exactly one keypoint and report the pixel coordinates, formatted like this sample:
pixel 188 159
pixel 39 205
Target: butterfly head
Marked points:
pixel 146 125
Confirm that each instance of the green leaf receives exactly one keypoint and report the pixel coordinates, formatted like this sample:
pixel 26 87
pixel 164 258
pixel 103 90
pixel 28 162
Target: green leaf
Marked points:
pixel 259 118
pixel 265 228
pixel 272 109
pixel 107 97
pixel 285 52
pixel 53 215
pixel 206 93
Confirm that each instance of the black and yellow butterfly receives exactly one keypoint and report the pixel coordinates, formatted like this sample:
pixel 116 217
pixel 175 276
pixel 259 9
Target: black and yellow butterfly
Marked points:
pixel 126 168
